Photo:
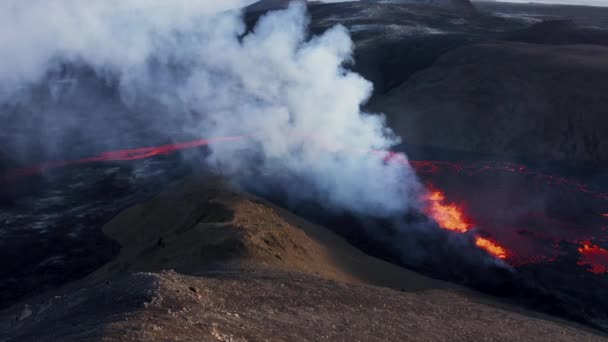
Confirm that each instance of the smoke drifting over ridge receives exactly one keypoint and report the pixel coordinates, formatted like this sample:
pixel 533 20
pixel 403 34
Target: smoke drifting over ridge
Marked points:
pixel 190 67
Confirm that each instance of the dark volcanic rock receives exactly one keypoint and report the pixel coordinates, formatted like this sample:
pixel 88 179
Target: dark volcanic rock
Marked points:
pixel 445 88
pixel 272 276
pixel 584 16
pixel 509 99
pixel 267 5
pixel 453 4
pixel 270 5
pixel 560 32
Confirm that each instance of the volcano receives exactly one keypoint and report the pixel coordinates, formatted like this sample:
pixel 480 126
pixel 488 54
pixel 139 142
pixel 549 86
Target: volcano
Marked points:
pixel 254 257
pixel 237 196
pixel 529 238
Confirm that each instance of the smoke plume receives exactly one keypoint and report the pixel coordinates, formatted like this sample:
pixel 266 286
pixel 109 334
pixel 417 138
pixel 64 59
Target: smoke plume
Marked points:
pixel 193 68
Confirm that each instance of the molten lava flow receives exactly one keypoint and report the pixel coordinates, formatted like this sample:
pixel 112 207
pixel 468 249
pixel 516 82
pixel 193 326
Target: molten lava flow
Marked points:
pixel 421 166
pixel 593 256
pixel 120 155
pixel 475 168
pixel 451 217
pixel 448 216
pixel 491 247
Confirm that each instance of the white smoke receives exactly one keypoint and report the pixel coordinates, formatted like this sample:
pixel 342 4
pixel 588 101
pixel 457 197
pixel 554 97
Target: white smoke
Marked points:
pixel 197 60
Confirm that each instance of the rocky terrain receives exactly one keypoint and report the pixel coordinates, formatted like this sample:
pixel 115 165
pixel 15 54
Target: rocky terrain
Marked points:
pixel 245 270
pixel 515 99
pixel 445 77
pixel 203 261
pixel 252 305
pixel 534 12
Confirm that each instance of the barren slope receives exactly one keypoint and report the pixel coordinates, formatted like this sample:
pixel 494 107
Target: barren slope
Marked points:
pixel 257 272
pixel 272 305
pixel 508 98
pixel 201 224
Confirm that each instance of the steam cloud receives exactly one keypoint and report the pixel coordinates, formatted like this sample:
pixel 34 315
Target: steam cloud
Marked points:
pixel 78 78
pixel 187 67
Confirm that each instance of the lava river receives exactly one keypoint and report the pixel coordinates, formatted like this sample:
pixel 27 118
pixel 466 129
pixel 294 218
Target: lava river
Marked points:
pixel 451 217
pixel 515 213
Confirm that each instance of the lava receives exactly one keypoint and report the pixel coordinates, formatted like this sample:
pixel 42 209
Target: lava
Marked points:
pixel 451 217
pixel 421 166
pixel 594 257
pixel 477 167
pixel 120 155
pixel 491 247
pixel 448 216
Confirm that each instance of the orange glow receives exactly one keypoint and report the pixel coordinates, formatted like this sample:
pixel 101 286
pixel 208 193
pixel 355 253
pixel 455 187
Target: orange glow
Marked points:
pixel 451 217
pixel 593 256
pixel 448 216
pixel 121 155
pixel 491 247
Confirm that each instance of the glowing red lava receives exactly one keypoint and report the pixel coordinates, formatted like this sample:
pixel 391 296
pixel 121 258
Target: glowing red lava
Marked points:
pixel 478 167
pixel 491 247
pixel 121 155
pixel 448 216
pixel 451 217
pixel 594 257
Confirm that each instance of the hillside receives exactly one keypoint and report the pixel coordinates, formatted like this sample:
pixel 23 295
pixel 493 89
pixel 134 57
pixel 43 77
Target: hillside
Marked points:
pixel 245 270
pixel 507 98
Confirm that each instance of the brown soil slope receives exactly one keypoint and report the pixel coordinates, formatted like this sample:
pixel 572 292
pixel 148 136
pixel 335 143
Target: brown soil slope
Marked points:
pixel 257 273
pixel 199 225
pixel 271 306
